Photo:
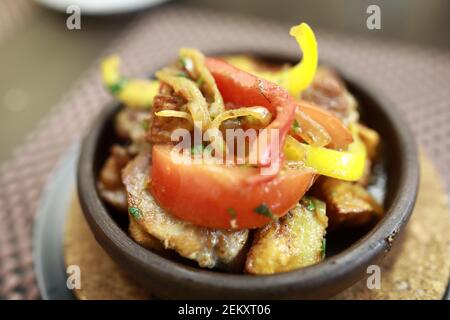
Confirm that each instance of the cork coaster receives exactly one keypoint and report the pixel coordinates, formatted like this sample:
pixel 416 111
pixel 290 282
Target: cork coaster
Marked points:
pixel 417 267
pixel 101 278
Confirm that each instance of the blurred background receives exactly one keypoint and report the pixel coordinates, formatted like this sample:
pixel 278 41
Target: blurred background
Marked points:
pixel 40 59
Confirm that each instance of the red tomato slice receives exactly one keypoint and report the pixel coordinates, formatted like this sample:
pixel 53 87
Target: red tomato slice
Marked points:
pixel 340 135
pixel 242 88
pixel 210 195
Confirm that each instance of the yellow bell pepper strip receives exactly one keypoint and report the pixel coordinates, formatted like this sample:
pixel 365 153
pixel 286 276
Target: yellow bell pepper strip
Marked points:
pixel 344 165
pixel 296 78
pixel 301 75
pixel 134 93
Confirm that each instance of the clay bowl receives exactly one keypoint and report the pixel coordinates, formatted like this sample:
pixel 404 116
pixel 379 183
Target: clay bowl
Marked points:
pixel 345 264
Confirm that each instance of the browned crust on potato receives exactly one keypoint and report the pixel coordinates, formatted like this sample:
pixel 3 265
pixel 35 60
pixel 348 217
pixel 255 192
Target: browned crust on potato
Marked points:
pixel 291 242
pixel 348 204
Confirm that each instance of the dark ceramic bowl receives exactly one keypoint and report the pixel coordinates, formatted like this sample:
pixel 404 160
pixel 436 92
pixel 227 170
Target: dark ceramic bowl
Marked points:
pixel 172 279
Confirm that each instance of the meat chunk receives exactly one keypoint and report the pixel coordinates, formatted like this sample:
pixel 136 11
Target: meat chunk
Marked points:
pixel 110 184
pixel 293 241
pixel 132 124
pixel 329 92
pixel 161 128
pixel 348 204
pixel 210 248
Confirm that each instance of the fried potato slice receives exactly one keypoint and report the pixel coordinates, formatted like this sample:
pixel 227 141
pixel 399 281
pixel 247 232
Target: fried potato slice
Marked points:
pixel 291 242
pixel 139 235
pixel 348 204
pixel 210 248
pixel 371 140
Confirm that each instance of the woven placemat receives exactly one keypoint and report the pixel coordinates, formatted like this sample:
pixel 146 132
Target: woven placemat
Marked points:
pixel 416 268
pixel 414 78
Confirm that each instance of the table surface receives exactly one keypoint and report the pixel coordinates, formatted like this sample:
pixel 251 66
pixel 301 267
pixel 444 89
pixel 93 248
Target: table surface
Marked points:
pixel 40 59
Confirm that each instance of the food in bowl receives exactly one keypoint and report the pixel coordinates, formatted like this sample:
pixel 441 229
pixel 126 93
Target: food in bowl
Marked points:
pixel 239 164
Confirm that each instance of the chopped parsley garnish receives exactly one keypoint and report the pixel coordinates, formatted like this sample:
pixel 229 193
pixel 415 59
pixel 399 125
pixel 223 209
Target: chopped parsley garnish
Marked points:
pixel 232 213
pixel 118 86
pixel 264 210
pixel 135 212
pixel 308 203
pixel 324 247
pixel 295 125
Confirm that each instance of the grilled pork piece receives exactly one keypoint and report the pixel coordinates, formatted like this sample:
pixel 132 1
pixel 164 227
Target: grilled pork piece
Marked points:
pixel 210 248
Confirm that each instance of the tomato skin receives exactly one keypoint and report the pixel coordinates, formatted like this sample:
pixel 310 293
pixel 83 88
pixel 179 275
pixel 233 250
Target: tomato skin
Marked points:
pixel 244 89
pixel 204 194
pixel 341 137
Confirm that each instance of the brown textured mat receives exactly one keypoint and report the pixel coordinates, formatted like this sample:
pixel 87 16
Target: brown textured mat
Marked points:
pixel 415 79
pixel 416 268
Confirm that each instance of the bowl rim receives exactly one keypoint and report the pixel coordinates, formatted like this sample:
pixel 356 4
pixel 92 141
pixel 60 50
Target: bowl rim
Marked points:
pixel 373 244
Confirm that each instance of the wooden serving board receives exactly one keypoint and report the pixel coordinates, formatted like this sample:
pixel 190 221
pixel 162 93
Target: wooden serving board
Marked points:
pixel 417 267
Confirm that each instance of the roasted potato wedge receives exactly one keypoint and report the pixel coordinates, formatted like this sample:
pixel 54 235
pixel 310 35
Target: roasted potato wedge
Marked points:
pixel 140 236
pixel 210 248
pixel 291 242
pixel 371 140
pixel 348 204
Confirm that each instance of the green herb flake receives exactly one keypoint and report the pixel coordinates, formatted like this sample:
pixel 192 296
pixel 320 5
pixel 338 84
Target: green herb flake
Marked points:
pixel 308 203
pixel 264 210
pixel 295 125
pixel 135 212
pixel 232 213
pixel 324 247
pixel 115 88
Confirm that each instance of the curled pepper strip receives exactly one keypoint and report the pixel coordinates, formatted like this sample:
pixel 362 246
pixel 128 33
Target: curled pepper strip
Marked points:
pixel 296 78
pixel 134 93
pixel 344 165
pixel 301 75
